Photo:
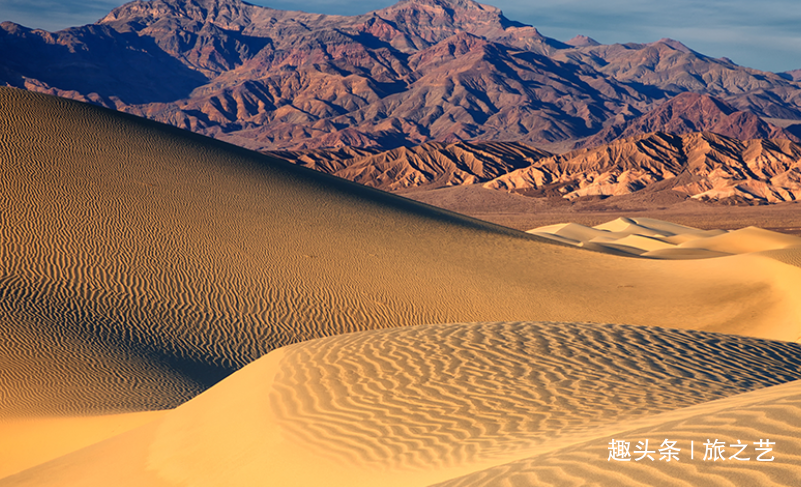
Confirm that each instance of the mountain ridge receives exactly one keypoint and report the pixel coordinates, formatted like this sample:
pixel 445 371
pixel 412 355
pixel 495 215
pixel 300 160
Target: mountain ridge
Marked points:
pixel 699 165
pixel 415 72
pixel 702 166
pixel 690 112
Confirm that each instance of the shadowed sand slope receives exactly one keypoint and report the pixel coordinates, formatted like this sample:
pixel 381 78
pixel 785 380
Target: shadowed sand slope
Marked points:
pixel 417 405
pixel 139 264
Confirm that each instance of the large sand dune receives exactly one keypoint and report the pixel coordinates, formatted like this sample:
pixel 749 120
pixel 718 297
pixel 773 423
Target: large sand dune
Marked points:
pixel 134 253
pixel 418 405
pixel 140 265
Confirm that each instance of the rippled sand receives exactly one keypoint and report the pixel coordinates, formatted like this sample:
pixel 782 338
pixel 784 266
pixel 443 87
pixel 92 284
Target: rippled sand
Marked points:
pixel 418 405
pixel 140 265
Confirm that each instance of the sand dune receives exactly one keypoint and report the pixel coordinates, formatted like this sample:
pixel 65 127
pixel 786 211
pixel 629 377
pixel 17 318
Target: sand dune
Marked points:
pixel 140 265
pixel 647 237
pixel 418 405
pixel 772 414
pixel 745 240
pixel 31 441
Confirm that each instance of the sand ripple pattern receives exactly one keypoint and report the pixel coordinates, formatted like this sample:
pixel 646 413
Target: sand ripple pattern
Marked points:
pixel 140 264
pixel 791 256
pixel 443 395
pixel 770 414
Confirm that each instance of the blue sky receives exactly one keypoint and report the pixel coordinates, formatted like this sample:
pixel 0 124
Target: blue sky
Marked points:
pixel 763 35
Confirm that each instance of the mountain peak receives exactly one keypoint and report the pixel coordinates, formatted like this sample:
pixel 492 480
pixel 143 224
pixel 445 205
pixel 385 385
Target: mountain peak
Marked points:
pixel 199 10
pixel 463 10
pixel 582 41
pixel 449 4
pixel 673 44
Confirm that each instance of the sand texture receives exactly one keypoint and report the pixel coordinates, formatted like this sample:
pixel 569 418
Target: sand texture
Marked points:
pixel 772 414
pixel 140 265
pixel 136 274
pixel 418 405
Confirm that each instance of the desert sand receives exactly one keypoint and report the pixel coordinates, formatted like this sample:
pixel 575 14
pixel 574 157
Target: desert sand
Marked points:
pixel 646 237
pixel 140 265
pixel 771 414
pixel 420 405
pixel 27 442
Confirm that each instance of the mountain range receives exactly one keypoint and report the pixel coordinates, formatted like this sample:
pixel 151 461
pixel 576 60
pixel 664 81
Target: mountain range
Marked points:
pixel 415 72
pixel 700 165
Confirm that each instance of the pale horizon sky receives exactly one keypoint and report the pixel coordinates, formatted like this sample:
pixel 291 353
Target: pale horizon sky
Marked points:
pixel 763 35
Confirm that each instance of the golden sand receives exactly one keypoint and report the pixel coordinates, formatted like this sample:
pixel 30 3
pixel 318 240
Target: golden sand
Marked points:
pixel 140 264
pixel 419 405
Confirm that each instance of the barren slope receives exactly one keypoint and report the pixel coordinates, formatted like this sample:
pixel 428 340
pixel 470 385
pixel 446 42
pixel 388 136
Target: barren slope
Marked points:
pixel 690 112
pixel 430 165
pixel 699 165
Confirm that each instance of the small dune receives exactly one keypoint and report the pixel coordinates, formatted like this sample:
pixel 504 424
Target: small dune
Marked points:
pixel 744 240
pixel 646 237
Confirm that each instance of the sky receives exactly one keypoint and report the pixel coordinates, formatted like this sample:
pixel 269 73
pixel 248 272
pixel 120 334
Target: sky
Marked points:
pixel 763 35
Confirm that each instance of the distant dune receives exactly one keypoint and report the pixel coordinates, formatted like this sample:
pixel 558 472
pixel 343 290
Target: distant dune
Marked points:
pixel 646 237
pixel 141 264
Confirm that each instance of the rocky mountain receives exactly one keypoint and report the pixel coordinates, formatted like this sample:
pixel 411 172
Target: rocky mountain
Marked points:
pixel 792 75
pixel 415 72
pixel 94 63
pixel 667 67
pixel 430 165
pixel 690 112
pixel 699 165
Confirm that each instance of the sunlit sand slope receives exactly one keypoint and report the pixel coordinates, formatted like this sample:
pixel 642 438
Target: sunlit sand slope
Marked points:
pixel 27 442
pixel 772 414
pixel 139 264
pixel 414 406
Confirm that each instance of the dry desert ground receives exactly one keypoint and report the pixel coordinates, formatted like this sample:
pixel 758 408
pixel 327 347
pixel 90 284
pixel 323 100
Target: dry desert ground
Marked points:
pixel 177 311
